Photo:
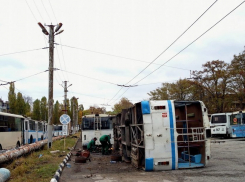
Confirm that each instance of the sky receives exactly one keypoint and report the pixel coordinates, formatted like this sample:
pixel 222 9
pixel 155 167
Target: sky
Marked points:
pixel 107 43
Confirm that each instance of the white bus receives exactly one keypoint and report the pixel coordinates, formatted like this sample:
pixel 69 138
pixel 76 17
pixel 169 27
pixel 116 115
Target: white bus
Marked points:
pixel 96 125
pixel 237 124
pixel 220 124
pixel 58 130
pixel 11 130
pixel 164 134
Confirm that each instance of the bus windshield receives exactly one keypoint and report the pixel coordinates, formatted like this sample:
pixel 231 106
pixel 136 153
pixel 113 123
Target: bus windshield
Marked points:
pixel 88 124
pixel 236 119
pixel 218 119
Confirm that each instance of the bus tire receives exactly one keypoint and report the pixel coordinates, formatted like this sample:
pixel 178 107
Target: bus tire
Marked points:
pixel 1 147
pixel 18 144
pixel 42 137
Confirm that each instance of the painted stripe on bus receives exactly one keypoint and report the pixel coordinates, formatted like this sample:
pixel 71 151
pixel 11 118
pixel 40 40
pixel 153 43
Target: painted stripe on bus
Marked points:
pixel 172 133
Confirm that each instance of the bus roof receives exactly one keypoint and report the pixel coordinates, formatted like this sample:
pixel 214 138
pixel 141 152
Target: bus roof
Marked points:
pixel 100 115
pixel 9 114
pixel 237 112
pixel 226 113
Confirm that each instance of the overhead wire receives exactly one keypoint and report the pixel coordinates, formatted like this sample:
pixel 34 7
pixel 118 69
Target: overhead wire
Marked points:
pixel 18 52
pixel 46 11
pixel 118 56
pixel 31 10
pixel 167 47
pixel 89 77
pixel 192 42
pixel 172 42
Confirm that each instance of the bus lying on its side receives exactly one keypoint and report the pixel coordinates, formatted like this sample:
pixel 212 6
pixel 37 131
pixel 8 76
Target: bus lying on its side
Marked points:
pixel 220 124
pixel 164 135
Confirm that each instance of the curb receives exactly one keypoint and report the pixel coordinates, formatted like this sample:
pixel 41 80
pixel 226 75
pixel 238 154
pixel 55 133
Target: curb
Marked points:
pixel 61 166
pixel 57 175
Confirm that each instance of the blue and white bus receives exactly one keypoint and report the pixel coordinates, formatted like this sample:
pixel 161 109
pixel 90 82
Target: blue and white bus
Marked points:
pixel 237 124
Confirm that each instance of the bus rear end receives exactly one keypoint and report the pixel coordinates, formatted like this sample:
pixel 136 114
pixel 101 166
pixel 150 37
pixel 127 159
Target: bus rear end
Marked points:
pixel 219 124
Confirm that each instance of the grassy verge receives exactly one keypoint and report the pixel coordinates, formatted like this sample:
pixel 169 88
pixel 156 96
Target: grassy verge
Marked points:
pixel 40 166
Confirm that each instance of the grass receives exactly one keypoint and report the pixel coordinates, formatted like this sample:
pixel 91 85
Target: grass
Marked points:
pixel 40 165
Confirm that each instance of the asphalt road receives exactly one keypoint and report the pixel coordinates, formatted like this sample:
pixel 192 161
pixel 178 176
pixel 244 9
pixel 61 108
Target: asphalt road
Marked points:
pixel 227 164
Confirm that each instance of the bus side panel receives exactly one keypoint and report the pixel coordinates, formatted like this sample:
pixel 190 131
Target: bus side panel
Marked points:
pixel 160 140
pixel 237 131
pixel 10 139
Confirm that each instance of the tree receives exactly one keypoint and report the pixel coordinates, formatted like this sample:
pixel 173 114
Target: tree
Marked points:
pixel 56 113
pixel 181 90
pixel 20 104
pixel 124 103
pixel 237 85
pixel 214 79
pixel 12 98
pixel 36 114
pixel 44 109
pixel 161 93
pixel 28 104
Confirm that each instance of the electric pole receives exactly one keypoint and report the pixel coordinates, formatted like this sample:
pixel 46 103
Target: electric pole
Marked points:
pixel 51 75
pixel 65 102
pixel 74 118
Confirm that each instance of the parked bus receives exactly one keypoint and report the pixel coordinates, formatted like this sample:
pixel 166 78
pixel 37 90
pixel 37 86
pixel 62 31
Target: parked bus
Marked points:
pixel 237 124
pixel 11 130
pixel 220 124
pixel 164 135
pixel 57 130
pixel 96 125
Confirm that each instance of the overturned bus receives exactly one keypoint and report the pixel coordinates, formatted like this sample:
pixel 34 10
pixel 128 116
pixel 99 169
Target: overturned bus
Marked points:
pixel 163 135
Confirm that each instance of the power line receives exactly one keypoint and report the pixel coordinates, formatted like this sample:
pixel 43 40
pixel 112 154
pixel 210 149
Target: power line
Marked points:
pixel 46 11
pixel 191 42
pixel 20 52
pixel 38 10
pixel 52 11
pixel 31 11
pixel 24 78
pixel 172 43
pixel 118 56
pixel 167 47
pixel 89 77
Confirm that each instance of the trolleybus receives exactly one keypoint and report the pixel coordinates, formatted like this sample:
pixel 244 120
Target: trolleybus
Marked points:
pixel 237 124
pixel 11 130
pixel 220 124
pixel 96 125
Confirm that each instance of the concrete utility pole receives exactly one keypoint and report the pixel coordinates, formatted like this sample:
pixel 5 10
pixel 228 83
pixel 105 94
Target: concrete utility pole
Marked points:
pixel 51 75
pixel 65 101
pixel 74 118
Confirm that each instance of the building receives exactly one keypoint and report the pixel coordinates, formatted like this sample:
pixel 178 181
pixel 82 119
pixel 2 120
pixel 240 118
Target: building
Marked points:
pixel 4 106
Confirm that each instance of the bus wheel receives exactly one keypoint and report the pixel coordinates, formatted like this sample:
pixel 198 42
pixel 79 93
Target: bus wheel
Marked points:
pixel 18 144
pixel 1 147
pixel 42 137
pixel 31 139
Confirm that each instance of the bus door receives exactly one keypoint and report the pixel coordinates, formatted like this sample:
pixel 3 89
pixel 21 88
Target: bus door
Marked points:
pixel 97 127
pixel 26 134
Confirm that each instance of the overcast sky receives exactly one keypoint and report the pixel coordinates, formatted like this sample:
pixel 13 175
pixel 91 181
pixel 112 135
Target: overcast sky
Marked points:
pixel 112 41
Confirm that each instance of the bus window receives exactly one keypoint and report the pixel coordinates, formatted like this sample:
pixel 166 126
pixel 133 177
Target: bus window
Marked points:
pixel 40 127
pixel 236 119
pixel 218 119
pixel 105 123
pixel 88 123
pixel 32 125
